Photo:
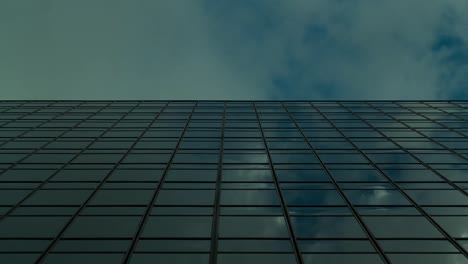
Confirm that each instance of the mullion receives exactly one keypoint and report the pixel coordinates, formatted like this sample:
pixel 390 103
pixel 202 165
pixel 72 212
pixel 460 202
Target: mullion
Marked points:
pixel 83 205
pixel 129 253
pixel 285 213
pixel 402 192
pixel 216 209
pixel 354 212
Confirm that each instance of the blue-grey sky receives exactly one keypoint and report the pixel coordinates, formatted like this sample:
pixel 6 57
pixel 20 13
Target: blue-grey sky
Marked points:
pixel 244 49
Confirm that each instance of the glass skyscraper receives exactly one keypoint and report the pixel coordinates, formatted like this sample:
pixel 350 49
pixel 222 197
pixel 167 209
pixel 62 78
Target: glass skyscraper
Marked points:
pixel 205 182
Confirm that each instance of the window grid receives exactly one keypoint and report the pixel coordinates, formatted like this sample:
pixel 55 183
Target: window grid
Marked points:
pixel 135 239
pixel 28 130
pixel 233 181
pixel 285 214
pixel 422 162
pixel 13 208
pixel 439 228
pixel 371 237
pixel 83 205
pixel 2 125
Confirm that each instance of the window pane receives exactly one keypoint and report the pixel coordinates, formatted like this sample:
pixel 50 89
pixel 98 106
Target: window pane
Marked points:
pixel 136 175
pixel 58 197
pixel 332 246
pixel 252 227
pixel 12 197
pixel 430 246
pixel 302 176
pixel 121 197
pixel 312 197
pixel 256 258
pixel 103 227
pixel 191 175
pixel 91 246
pixel 326 227
pixel 178 227
pixel 427 258
pixel 438 197
pixel 185 197
pixel 57 258
pixel 247 175
pixel 401 227
pixel 173 245
pixel 254 245
pixel 357 175
pixel 342 258
pixel 31 227
pixel 376 197
pixel 456 226
pixel 249 197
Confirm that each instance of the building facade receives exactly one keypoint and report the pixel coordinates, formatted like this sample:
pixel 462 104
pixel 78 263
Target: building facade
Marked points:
pixel 233 182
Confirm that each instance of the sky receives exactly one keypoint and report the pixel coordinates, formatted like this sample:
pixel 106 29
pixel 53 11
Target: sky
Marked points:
pixel 232 50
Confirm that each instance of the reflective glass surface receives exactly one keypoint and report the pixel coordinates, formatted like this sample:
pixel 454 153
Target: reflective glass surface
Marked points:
pixel 252 226
pixel 327 227
pixel 312 197
pixel 401 227
pixel 225 182
pixel 249 197
pixel 376 197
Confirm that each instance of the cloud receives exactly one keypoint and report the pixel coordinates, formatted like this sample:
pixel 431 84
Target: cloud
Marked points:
pixel 317 49
pixel 354 49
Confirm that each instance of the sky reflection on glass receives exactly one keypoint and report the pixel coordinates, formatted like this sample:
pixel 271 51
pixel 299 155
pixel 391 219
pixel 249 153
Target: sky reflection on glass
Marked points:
pixel 354 182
